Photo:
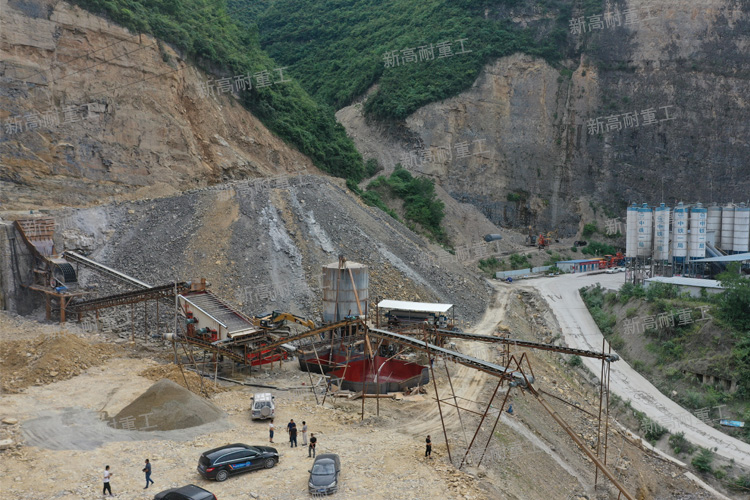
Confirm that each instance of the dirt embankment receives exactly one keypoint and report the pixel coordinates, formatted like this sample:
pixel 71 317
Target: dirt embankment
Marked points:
pixel 48 358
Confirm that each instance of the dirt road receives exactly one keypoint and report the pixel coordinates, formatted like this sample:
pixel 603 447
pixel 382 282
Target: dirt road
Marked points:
pixel 580 331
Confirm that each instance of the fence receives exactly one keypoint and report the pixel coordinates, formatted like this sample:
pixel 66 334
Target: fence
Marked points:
pixel 520 272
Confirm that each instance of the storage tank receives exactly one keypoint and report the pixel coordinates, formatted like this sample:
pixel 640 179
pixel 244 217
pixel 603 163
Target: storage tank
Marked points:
pixel 679 233
pixel 645 228
pixel 661 232
pixel 727 228
pixel 741 228
pixel 697 235
pixel 713 223
pixel 631 231
pixel 335 279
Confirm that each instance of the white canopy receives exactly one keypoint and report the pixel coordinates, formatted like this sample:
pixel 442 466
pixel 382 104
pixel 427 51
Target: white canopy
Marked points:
pixel 402 305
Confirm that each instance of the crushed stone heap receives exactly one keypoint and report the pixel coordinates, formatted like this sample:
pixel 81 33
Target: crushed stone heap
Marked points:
pixel 170 406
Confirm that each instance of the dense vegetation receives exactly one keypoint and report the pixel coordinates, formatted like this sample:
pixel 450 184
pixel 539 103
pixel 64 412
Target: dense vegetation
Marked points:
pixel 734 303
pixel 421 205
pixel 721 345
pixel 594 299
pixel 598 249
pixel 491 265
pixel 733 311
pixel 589 229
pixel 204 32
pixel 336 48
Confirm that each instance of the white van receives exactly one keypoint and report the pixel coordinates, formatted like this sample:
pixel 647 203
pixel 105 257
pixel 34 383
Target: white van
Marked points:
pixel 262 406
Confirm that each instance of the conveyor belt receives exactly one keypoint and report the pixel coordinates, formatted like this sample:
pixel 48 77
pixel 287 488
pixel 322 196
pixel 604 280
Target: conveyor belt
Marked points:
pixel 458 357
pixel 308 333
pixel 531 345
pixel 101 268
pixel 208 346
pixel 132 297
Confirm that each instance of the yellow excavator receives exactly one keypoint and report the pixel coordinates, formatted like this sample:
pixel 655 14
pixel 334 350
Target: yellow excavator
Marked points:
pixel 277 319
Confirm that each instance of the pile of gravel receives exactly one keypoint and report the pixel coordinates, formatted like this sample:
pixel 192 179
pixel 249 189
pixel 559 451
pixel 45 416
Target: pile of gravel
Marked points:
pixel 170 406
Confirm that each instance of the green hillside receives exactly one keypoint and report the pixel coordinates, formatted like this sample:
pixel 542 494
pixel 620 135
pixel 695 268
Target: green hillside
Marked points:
pixel 336 48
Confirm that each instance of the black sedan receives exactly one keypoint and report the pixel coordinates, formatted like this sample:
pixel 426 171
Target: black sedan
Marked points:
pixel 189 492
pixel 222 462
pixel 324 475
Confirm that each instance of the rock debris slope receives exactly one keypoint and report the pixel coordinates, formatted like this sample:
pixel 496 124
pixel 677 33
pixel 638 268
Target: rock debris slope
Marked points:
pixel 263 247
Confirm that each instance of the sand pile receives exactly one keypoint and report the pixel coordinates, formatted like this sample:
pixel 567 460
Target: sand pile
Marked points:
pixel 173 373
pixel 48 358
pixel 169 407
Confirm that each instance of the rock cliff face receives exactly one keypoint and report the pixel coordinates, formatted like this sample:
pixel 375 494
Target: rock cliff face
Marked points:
pixel 91 112
pixel 538 163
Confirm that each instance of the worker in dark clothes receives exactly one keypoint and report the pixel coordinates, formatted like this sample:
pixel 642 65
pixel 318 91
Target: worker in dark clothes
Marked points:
pixel 147 470
pixel 311 448
pixel 293 437
pixel 291 425
pixel 428 449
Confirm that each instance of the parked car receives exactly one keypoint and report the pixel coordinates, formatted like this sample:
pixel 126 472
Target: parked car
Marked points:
pixel 263 406
pixel 324 475
pixel 224 461
pixel 189 492
pixel 611 270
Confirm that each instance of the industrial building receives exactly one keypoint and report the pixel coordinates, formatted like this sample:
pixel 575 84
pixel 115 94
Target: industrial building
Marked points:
pixel 691 285
pixel 687 240
pixel 579 265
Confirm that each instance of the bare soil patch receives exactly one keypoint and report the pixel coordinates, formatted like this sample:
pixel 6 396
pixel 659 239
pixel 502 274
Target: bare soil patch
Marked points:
pixel 48 358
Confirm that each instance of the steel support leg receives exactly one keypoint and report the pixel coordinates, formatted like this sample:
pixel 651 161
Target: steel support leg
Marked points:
pixel 481 421
pixel 437 396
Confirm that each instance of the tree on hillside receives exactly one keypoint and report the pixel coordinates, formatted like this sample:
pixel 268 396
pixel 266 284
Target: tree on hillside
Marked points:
pixel 734 302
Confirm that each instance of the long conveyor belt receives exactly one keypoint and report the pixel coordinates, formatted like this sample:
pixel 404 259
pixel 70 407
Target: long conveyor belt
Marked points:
pixel 458 357
pixel 516 378
pixel 308 333
pixel 531 345
pixel 101 268
pixel 132 297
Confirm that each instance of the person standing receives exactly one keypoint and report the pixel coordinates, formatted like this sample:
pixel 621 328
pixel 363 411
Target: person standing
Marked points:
pixel 304 433
pixel 147 470
pixel 293 437
pixel 289 426
pixel 311 448
pixel 428 449
pixel 270 431
pixel 107 486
